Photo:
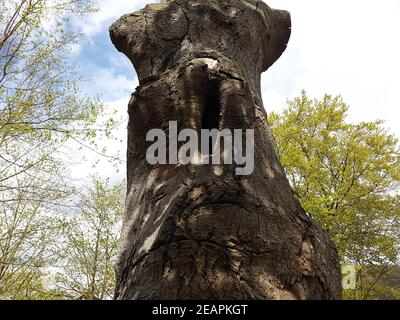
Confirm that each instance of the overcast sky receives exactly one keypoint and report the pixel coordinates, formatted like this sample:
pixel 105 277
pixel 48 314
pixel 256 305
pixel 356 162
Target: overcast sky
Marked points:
pixel 347 47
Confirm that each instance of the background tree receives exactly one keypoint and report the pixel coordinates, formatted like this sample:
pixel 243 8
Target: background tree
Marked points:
pixel 29 226
pixel 347 178
pixel 90 249
pixel 41 106
pixel 41 110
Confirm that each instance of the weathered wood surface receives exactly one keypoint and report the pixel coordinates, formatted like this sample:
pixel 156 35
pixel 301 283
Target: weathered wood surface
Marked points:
pixel 202 232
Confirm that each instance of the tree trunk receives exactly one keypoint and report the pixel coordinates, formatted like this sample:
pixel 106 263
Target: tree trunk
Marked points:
pixel 202 231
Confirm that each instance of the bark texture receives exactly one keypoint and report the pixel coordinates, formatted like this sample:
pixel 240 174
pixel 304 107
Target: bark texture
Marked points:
pixel 202 232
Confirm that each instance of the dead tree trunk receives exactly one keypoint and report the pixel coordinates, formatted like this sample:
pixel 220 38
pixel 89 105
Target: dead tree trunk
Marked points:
pixel 203 232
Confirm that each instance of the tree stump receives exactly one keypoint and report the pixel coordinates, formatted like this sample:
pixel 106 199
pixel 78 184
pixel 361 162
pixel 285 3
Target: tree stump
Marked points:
pixel 202 231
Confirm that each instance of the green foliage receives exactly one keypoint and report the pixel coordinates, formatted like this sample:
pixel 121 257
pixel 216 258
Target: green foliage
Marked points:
pixel 41 106
pixel 91 243
pixel 65 255
pixel 39 89
pixel 41 110
pixel 347 178
pixel 27 234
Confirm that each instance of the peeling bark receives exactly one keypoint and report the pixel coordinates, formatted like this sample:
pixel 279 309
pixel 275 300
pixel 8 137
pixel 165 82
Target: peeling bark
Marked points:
pixel 202 232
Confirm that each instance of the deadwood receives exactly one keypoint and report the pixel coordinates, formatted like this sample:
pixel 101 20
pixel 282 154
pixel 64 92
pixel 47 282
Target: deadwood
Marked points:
pixel 203 232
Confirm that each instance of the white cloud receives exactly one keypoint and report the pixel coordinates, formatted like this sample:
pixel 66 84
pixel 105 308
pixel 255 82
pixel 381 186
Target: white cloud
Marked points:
pixel 110 84
pixel 276 100
pixel 342 47
pixel 109 11
pixel 74 48
pixel 84 161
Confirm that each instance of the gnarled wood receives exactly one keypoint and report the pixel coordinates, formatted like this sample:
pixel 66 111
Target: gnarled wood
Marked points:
pixel 202 232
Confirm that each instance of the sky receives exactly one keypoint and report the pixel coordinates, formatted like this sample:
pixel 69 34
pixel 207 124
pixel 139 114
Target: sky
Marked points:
pixel 346 47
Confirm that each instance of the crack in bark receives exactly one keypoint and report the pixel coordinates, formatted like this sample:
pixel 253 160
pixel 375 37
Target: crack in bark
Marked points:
pixel 246 227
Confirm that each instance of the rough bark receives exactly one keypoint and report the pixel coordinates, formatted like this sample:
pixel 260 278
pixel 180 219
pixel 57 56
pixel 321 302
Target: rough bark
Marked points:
pixel 202 232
